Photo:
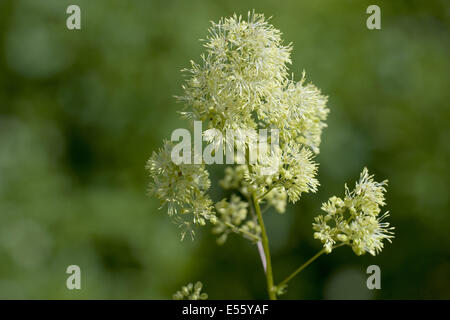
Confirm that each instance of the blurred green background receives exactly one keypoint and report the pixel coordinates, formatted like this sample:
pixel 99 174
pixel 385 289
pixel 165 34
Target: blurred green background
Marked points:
pixel 81 112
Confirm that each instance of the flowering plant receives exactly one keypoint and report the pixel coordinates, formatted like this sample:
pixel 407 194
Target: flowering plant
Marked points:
pixel 242 84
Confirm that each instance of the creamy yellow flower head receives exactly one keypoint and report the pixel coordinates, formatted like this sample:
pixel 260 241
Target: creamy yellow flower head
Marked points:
pixel 355 220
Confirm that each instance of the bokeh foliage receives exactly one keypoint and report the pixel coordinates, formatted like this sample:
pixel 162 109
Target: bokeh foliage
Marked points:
pixel 81 111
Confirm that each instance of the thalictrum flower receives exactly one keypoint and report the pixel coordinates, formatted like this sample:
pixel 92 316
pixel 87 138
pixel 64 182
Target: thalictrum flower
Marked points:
pixel 355 220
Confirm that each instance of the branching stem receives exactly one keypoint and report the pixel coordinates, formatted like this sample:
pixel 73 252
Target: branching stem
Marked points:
pixel 243 232
pixel 303 266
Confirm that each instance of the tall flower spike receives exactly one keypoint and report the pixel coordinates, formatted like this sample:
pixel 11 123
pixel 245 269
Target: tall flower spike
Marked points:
pixel 355 221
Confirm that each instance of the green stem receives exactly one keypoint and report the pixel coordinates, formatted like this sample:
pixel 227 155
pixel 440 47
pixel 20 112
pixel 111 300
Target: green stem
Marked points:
pixel 303 266
pixel 299 269
pixel 243 232
pixel 265 243
pixel 266 193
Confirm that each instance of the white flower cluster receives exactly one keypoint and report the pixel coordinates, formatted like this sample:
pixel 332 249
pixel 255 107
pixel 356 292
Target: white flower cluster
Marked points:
pixel 298 111
pixel 244 64
pixel 295 172
pixel 355 220
pixel 191 292
pixel 242 84
pixel 182 188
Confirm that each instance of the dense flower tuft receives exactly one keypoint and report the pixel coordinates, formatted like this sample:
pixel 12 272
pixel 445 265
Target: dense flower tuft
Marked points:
pixel 243 83
pixel 292 171
pixel 182 188
pixel 355 220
